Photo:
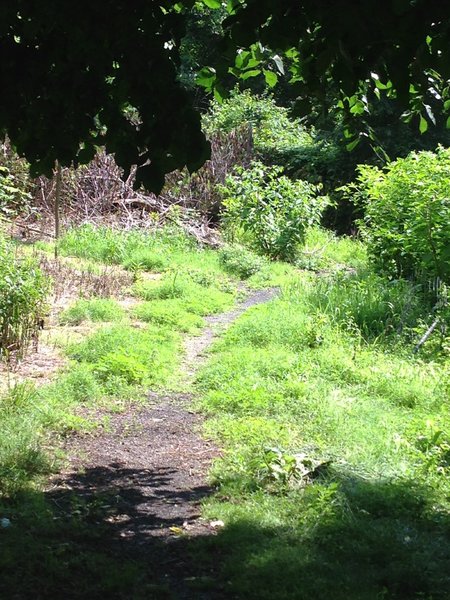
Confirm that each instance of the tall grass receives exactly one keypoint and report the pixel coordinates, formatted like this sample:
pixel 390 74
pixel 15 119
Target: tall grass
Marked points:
pixel 23 292
pixel 334 476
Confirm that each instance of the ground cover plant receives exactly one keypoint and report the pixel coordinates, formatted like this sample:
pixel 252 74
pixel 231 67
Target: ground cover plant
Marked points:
pixel 334 479
pixel 95 309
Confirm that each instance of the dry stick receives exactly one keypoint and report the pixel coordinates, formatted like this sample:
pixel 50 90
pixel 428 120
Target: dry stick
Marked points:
pixel 25 226
pixel 56 205
pixel 426 335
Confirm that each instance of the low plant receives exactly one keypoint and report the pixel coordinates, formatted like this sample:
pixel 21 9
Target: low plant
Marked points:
pixel 170 313
pixel 239 261
pixel 23 293
pixel 146 260
pixel 196 298
pixel 154 349
pixel 124 365
pixel 366 303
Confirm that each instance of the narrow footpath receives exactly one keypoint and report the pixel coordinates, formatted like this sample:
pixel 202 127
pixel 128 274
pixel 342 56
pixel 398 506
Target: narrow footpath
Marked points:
pixel 144 477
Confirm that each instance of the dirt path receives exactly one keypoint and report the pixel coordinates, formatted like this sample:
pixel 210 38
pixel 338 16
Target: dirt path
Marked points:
pixel 144 478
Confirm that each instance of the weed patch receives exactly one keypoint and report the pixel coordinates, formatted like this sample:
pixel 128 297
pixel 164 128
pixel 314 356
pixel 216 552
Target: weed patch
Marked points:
pixel 96 309
pixel 335 447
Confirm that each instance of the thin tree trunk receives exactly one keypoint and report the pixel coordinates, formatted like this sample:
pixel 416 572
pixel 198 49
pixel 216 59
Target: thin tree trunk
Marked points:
pixel 56 204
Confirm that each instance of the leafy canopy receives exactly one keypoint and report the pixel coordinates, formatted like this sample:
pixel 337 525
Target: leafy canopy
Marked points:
pixel 77 75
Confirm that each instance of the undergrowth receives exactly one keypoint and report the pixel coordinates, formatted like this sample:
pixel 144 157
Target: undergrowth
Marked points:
pixel 334 477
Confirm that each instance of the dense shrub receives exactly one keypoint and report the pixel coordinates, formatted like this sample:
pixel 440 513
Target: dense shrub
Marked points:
pixel 407 214
pixel 273 130
pixel 273 210
pixel 239 261
pixel 23 290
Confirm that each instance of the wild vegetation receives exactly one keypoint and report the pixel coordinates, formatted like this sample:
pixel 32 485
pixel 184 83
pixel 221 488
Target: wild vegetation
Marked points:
pixel 329 404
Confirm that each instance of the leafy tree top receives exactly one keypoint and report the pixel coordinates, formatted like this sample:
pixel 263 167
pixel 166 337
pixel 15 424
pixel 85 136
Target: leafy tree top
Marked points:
pixel 80 74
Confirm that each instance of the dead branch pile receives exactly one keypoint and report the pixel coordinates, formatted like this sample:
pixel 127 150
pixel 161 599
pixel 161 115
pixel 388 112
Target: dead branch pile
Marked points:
pixel 97 191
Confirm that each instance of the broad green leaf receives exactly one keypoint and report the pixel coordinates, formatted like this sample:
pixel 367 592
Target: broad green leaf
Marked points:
pixel 251 73
pixel 352 145
pixel 271 78
pixel 423 125
pixel 212 3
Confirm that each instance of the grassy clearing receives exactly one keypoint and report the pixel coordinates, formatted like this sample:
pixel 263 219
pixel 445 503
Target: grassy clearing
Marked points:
pixel 334 482
pixel 95 309
pixel 115 356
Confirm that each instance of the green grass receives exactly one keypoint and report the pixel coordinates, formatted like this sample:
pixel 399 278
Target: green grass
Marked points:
pixel 95 309
pixel 289 386
pixel 125 354
pixel 325 251
pixel 169 312
pixel 193 297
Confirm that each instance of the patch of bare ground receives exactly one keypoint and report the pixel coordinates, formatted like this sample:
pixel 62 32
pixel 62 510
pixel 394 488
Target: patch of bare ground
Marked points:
pixel 148 474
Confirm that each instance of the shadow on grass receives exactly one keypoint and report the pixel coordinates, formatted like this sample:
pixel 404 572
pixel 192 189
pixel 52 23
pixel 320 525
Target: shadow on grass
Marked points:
pixel 366 542
pixel 104 533
pixel 99 538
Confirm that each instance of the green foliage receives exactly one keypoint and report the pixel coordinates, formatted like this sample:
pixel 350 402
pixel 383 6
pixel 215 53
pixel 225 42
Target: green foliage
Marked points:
pixel 328 440
pixel 131 248
pixel 13 197
pixel 119 365
pixel 23 292
pixel 323 250
pixel 95 309
pixel 130 354
pixel 271 208
pixel 272 128
pixel 146 260
pixel 366 303
pixel 195 298
pixel 169 312
pixel 239 261
pixel 407 214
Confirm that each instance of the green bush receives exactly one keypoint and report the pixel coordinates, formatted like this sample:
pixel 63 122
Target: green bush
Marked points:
pixel 407 215
pixel 23 291
pixel 121 365
pixel 239 261
pixel 271 125
pixel 273 210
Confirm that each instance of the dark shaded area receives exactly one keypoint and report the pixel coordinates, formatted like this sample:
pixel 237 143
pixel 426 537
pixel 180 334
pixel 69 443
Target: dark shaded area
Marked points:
pixel 368 541
pixel 100 537
pixel 104 535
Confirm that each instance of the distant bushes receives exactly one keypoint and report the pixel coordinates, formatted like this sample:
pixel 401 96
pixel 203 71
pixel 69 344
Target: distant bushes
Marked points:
pixel 272 128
